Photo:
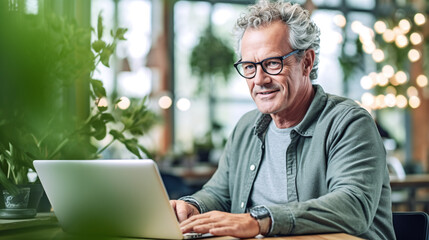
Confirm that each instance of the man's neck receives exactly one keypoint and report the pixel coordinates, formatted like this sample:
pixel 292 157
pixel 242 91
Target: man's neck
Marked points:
pixel 293 116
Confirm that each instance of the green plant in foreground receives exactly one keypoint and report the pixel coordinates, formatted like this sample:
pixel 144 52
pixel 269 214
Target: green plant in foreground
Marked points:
pixel 46 78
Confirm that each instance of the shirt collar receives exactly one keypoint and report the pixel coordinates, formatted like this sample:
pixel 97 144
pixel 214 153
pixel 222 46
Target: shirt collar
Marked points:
pixel 308 123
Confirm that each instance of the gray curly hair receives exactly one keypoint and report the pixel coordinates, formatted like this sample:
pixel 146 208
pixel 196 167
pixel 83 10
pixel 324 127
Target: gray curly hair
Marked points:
pixel 303 32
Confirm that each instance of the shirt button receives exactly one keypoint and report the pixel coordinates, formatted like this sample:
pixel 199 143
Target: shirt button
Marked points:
pixel 242 204
pixel 252 167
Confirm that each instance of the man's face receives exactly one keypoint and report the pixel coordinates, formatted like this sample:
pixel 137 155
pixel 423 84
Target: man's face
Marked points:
pixel 275 94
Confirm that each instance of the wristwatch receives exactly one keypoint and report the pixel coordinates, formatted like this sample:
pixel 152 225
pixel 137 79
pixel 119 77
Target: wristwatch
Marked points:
pixel 262 215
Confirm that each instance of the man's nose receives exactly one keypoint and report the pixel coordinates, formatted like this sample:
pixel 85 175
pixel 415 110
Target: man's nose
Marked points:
pixel 261 77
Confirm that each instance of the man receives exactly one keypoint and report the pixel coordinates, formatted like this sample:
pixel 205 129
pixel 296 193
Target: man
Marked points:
pixel 305 161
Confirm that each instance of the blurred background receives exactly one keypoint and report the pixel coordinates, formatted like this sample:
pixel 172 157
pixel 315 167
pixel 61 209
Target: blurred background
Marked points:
pixel 178 55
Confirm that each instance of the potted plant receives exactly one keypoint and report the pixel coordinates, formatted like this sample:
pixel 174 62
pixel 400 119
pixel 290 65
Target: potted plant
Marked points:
pixel 46 68
pixel 211 57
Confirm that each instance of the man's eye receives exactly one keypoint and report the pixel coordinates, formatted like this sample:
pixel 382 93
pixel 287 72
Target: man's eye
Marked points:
pixel 273 64
pixel 248 67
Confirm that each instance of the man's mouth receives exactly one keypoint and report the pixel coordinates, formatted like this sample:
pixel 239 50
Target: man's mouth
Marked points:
pixel 267 92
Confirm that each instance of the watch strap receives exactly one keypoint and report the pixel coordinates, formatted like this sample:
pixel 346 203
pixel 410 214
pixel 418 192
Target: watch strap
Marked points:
pixel 264 225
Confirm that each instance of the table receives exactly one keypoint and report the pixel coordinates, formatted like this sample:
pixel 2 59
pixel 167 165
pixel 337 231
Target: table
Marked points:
pixel 49 230
pixel 411 183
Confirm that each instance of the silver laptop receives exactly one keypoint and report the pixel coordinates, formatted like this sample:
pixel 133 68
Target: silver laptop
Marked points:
pixel 125 198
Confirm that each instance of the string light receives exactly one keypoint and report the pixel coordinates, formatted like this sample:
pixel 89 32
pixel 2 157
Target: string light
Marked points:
pixel 414 55
pixel 391 90
pixel 388 36
pixel 401 101
pixel 356 26
pixel 165 102
pixel 422 81
pixel 401 36
pixel 388 71
pixel 401 77
pixel 183 104
pixel 412 91
pixel 390 100
pixel 369 47
pixel 405 26
pixel 401 41
pixel 380 27
pixel 378 55
pixel 366 82
pixel 340 20
pixel 414 102
pixel 416 38
pixel 367 99
pixel 382 80
pixel 124 103
pixel 379 101
pixel 102 102
pixel 419 19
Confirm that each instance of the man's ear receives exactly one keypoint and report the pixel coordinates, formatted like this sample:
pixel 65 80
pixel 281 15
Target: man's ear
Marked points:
pixel 308 61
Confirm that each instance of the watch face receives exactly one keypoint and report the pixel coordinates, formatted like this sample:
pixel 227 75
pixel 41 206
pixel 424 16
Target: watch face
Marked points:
pixel 259 212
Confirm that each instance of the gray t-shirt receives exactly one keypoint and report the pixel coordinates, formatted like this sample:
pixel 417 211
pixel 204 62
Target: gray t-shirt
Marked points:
pixel 270 186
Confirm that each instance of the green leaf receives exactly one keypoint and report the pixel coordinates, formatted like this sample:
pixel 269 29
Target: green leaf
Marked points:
pixel 99 129
pixel 117 135
pixel 102 109
pixel 98 45
pixel 148 154
pixel 132 146
pixel 100 26
pixel 98 88
pixel 107 117
pixel 105 56
pixel 120 33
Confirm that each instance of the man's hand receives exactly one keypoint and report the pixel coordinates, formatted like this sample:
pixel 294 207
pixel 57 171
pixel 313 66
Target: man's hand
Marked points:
pixel 183 210
pixel 222 224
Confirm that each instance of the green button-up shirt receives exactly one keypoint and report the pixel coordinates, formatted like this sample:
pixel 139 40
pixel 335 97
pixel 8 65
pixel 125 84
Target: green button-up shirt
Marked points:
pixel 337 177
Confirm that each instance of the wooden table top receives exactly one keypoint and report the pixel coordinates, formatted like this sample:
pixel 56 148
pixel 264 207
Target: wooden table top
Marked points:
pixel 45 226
pixel 410 180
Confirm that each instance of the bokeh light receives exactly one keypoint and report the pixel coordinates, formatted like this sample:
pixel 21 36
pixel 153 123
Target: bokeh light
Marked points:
pixel 401 41
pixel 388 71
pixel 183 104
pixel 419 19
pixel 401 101
pixel 422 80
pixel 414 102
pixel 102 102
pixel 378 55
pixel 382 80
pixel 340 20
pixel 416 38
pixel 414 55
pixel 380 27
pixel 357 26
pixel 367 99
pixel 124 103
pixel 366 82
pixel 412 92
pixel 401 77
pixel 165 102
pixel 391 90
pixel 390 100
pixel 405 26
pixel 388 36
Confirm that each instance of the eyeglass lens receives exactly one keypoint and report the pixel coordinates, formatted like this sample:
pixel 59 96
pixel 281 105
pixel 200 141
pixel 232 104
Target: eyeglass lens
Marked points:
pixel 271 66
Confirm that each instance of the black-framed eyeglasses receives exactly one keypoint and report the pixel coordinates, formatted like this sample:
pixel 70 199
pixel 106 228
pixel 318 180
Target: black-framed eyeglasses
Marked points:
pixel 272 65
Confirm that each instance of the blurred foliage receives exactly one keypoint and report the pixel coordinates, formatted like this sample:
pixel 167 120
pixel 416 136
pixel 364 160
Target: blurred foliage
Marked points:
pixel 44 62
pixel 210 57
pixel 350 63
